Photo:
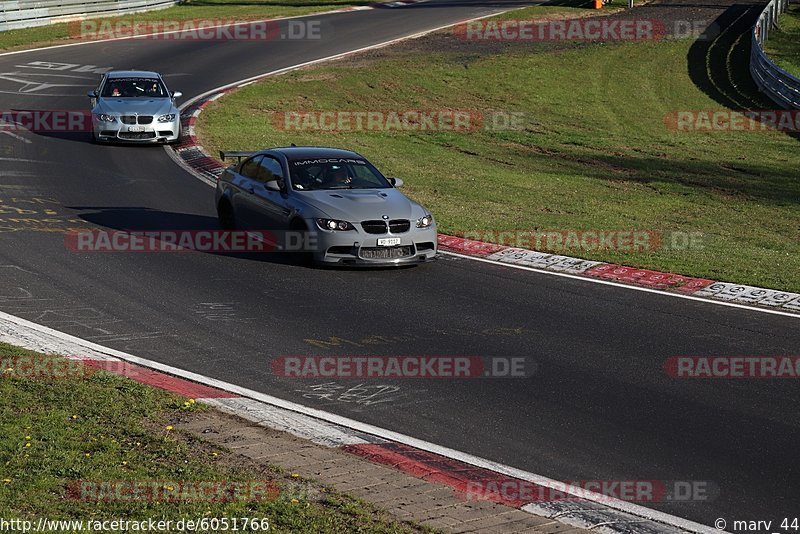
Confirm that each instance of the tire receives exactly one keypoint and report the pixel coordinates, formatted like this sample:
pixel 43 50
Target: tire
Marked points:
pixel 225 216
pixel 301 257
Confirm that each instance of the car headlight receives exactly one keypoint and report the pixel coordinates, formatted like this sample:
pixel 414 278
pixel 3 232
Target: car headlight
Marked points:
pixel 167 118
pixel 424 222
pixel 106 118
pixel 333 224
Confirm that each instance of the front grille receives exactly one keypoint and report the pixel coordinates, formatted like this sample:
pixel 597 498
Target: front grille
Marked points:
pixel 374 227
pixel 137 135
pixel 143 119
pixel 399 226
pixel 387 253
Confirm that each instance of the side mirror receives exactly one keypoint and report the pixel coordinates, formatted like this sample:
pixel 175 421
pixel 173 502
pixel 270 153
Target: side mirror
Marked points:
pixel 92 94
pixel 177 94
pixel 397 182
pixel 273 185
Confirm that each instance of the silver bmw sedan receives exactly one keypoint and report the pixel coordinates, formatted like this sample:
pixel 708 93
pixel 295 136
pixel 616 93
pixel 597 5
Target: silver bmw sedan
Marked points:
pixel 134 107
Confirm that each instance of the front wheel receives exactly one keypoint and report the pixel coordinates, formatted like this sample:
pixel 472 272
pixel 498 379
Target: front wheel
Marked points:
pixel 225 216
pixel 303 256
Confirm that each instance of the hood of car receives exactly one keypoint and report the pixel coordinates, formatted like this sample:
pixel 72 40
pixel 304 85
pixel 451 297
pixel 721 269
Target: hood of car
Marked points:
pixel 356 205
pixel 138 106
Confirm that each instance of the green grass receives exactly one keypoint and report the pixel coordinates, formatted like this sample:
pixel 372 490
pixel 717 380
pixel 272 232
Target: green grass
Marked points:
pixel 102 427
pixel 783 45
pixel 596 153
pixel 191 9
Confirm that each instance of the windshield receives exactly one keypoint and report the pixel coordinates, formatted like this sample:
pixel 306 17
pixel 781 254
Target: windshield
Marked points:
pixel 134 88
pixel 335 173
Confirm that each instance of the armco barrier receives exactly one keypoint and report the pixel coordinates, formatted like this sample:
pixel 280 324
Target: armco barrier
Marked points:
pixel 773 81
pixel 15 14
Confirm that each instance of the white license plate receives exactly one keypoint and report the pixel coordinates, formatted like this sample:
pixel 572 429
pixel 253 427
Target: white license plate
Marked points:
pixel 135 129
pixel 388 241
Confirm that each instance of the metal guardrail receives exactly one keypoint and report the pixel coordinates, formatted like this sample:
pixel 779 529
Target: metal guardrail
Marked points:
pixel 15 14
pixel 773 81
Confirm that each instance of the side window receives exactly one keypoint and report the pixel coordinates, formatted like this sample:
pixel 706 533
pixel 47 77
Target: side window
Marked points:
pixel 251 167
pixel 270 169
pixel 304 178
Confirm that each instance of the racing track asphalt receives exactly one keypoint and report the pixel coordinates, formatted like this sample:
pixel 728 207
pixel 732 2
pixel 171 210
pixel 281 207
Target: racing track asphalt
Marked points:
pixel 599 407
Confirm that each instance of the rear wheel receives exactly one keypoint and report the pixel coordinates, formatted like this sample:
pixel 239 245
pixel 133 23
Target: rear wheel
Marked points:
pixel 225 215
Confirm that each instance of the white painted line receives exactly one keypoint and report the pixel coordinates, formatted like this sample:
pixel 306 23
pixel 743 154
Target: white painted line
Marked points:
pixel 16 136
pixel 75 345
pixel 23 160
pixel 624 286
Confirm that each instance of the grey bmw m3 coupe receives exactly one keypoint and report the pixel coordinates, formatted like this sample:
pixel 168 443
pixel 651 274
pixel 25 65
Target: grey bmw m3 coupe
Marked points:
pixel 331 204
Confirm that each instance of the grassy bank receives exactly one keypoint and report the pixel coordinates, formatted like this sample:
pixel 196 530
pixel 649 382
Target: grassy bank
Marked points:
pixel 783 45
pixel 100 427
pixel 189 10
pixel 596 152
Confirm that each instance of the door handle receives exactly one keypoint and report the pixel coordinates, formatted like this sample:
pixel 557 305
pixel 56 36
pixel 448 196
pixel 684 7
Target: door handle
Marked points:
pixel 250 189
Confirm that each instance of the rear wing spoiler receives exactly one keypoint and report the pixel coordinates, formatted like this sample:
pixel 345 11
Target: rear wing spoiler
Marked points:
pixel 226 154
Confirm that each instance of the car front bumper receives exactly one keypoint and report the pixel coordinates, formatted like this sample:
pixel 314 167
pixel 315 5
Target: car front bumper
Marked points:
pixel 156 132
pixel 357 248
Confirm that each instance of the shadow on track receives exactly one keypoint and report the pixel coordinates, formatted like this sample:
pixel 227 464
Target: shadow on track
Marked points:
pixel 142 219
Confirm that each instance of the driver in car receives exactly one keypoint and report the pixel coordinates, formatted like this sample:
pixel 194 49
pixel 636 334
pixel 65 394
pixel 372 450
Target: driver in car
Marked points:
pixel 337 176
